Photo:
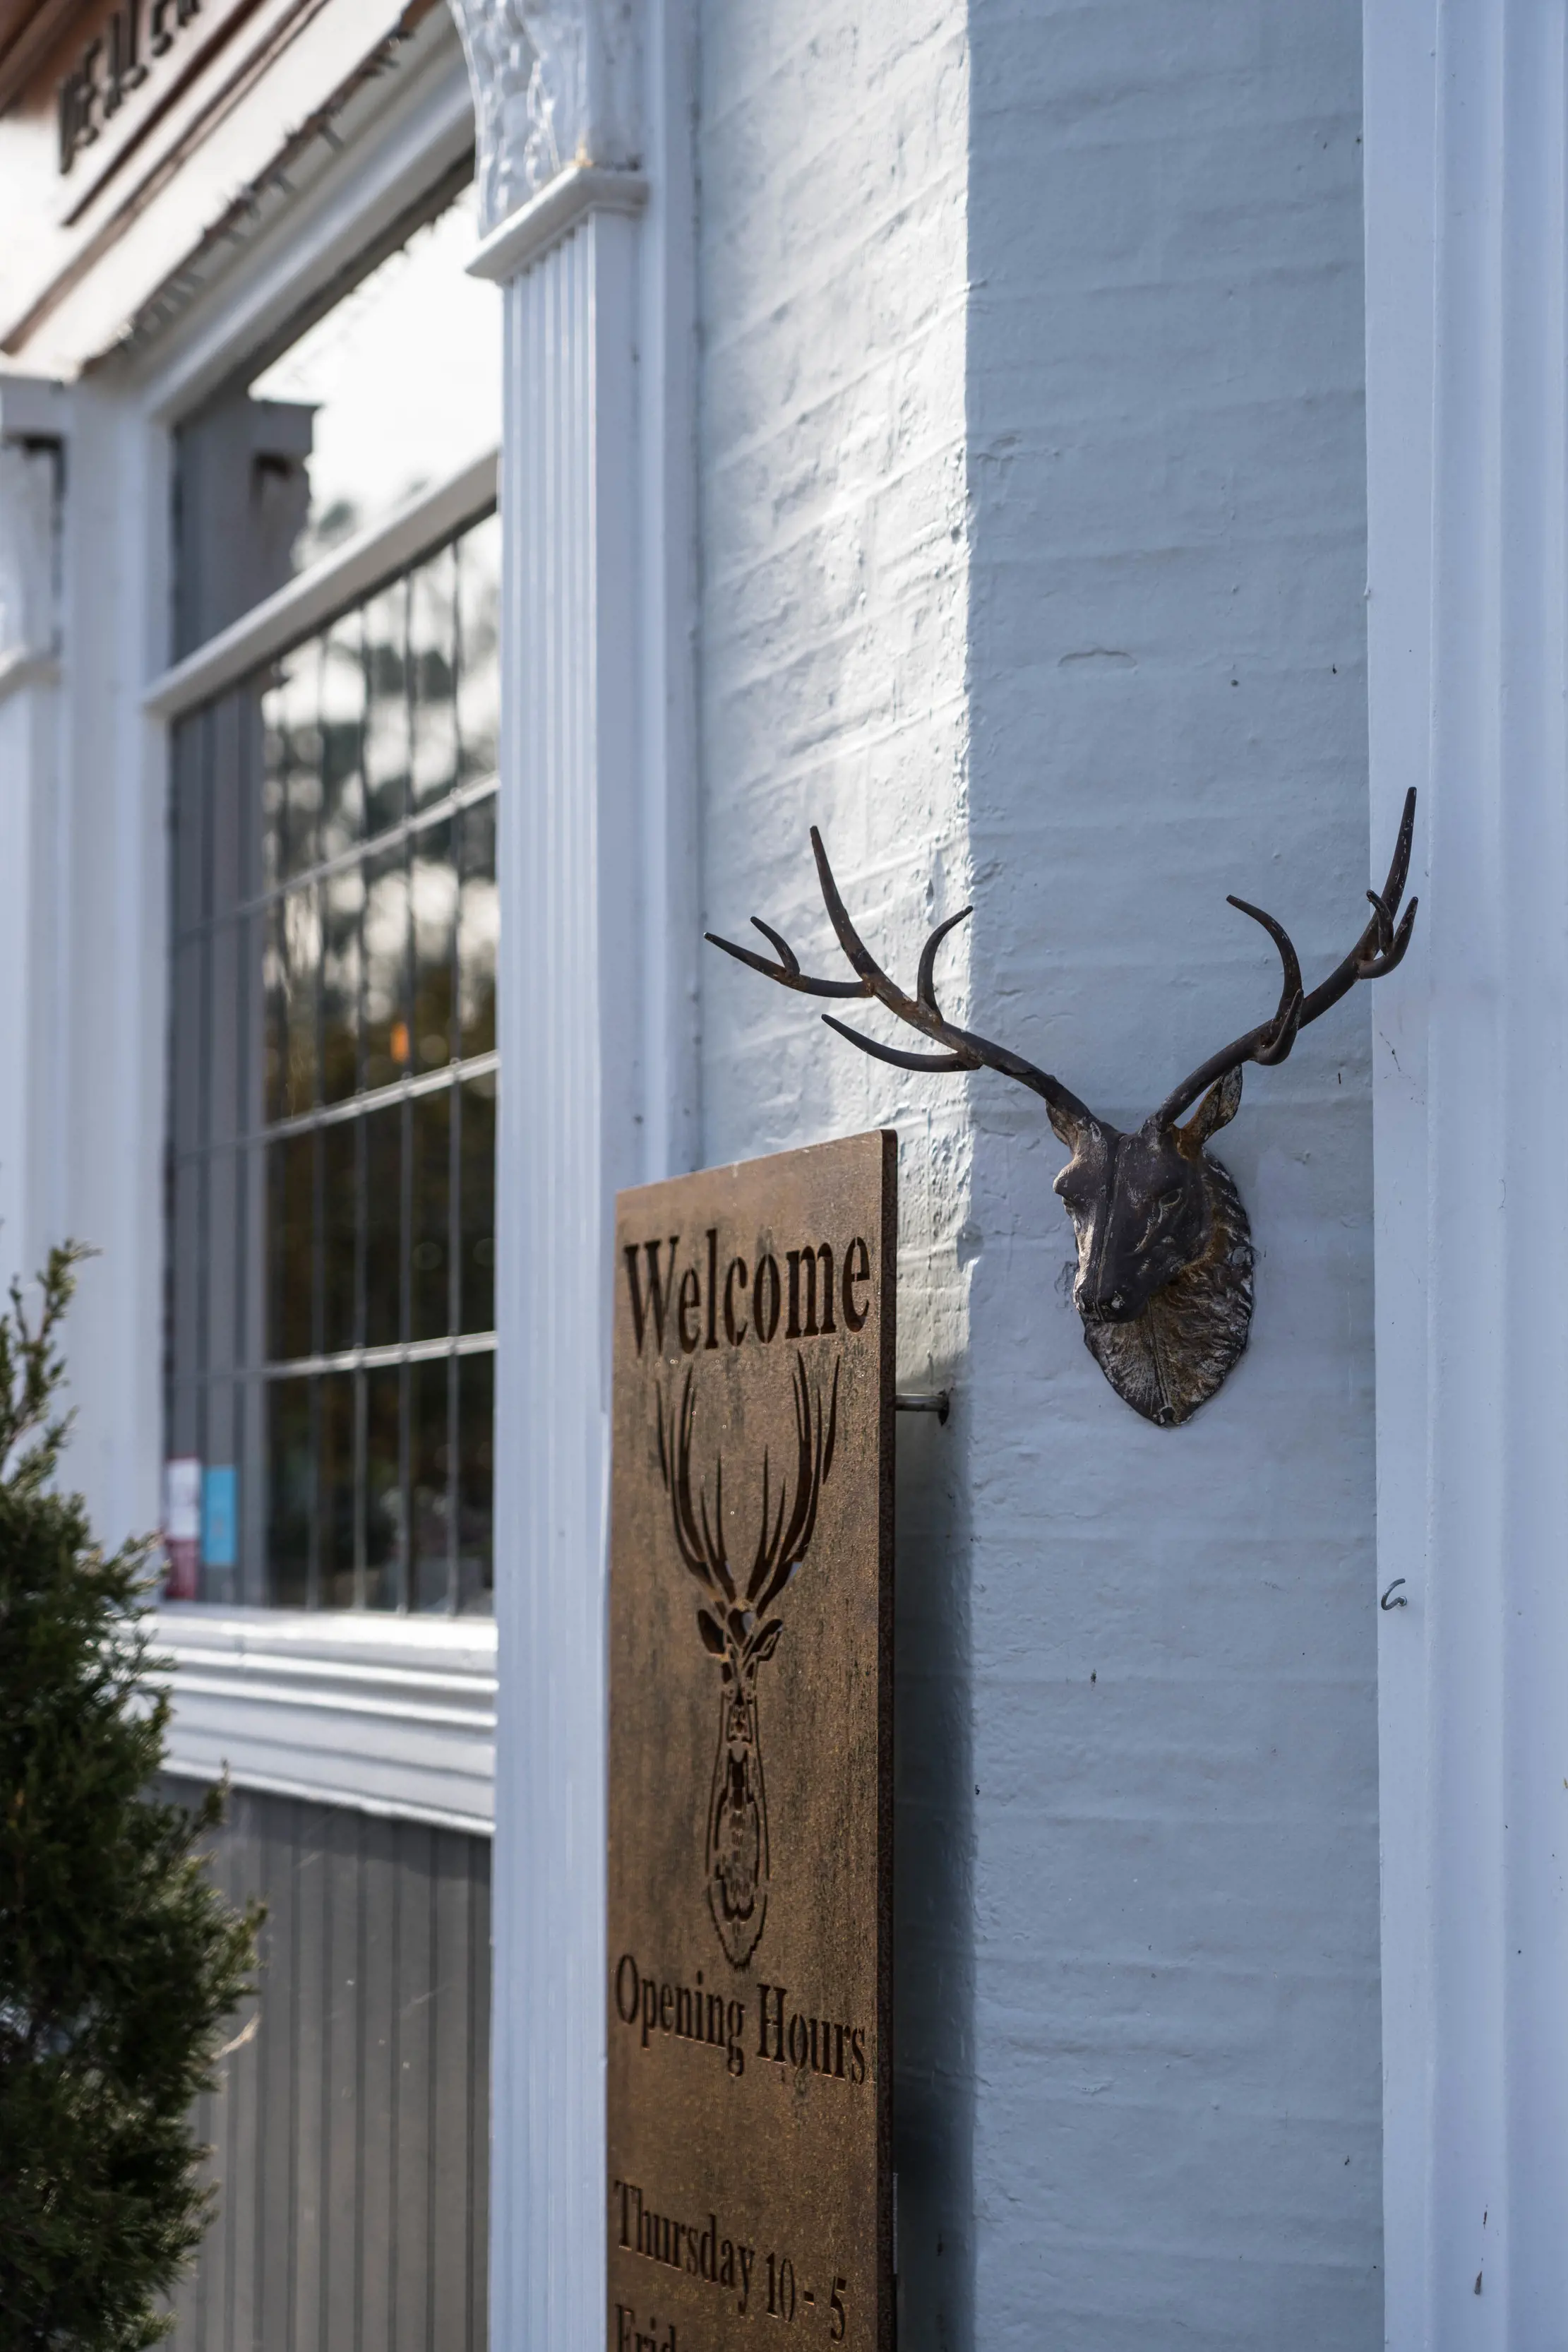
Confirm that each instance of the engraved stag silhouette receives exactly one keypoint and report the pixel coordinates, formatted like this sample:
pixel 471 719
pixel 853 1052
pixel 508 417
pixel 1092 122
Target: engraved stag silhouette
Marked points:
pixel 738 1629
pixel 1164 1256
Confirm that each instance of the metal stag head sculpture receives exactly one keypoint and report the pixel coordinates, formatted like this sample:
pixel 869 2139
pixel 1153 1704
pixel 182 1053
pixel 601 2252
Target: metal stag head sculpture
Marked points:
pixel 1164 1256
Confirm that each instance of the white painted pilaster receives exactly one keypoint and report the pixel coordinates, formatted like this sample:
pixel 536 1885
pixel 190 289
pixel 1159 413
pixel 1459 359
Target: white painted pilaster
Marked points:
pixel 1466 146
pixel 83 851
pixel 31 477
pixel 598 939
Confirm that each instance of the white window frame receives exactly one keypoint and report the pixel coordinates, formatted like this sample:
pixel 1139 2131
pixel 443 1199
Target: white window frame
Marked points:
pixel 384 1714
pixel 586 177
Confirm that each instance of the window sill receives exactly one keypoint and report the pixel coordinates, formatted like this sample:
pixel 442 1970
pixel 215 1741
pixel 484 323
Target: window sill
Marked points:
pixel 387 1715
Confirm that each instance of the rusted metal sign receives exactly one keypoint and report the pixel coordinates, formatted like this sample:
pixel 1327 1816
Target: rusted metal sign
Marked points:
pixel 750 1756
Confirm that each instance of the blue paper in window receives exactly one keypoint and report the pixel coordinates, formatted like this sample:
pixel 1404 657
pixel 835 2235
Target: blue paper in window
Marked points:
pixel 219 1512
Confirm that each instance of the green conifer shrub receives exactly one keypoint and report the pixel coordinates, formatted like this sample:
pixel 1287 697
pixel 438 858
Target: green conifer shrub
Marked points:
pixel 119 1960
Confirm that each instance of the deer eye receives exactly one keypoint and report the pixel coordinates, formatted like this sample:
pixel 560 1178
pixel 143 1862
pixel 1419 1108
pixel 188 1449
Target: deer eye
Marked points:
pixel 1171 1200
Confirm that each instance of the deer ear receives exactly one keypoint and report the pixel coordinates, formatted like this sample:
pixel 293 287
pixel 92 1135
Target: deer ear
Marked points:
pixel 1217 1109
pixel 1067 1129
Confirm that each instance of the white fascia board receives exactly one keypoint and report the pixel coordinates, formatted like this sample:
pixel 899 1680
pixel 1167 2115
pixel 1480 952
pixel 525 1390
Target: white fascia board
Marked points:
pixel 394 1716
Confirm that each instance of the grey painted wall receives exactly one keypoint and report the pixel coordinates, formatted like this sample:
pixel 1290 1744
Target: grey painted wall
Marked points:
pixel 350 2134
pixel 1033 534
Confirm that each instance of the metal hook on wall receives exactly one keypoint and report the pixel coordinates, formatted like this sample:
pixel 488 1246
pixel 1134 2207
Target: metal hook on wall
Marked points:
pixel 936 1402
pixel 1388 1601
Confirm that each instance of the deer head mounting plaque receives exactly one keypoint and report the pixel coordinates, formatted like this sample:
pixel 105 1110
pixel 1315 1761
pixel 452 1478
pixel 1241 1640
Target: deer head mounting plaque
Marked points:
pixel 1164 1280
pixel 750 1850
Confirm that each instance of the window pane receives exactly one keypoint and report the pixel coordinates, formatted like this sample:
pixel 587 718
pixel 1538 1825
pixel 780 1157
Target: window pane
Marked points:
pixel 433 885
pixel 226 1011
pixel 340 1235
pixel 478 928
pixel 274 1016
pixel 432 1453
pixel 383 1225
pixel 291 986
pixel 291 1492
pixel 312 962
pixel 342 907
pixel 301 702
pixel 478 1204
pixel 292 804
pixel 478 652
pixel 431 1254
pixel 342 736
pixel 185 1268
pixel 403 378
pixel 336 1530
pixel 386 967
pixel 432 658
pixel 476 1420
pixel 386 709
pixel 383 1488
pixel 187 1047
pixel 291 1232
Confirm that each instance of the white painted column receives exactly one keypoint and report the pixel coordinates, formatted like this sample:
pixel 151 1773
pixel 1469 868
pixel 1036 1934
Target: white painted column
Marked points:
pixel 1467 147
pixel 30 482
pixel 568 844
pixel 83 861
pixel 598 893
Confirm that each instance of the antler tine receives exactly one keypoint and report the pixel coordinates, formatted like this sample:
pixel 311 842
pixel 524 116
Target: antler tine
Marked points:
pixel 1269 1042
pixel 1381 947
pixel 700 1546
pixel 967 1051
pixel 964 1050
pixel 925 986
pixel 1378 952
pixel 776 1556
pixel 787 971
pixel 896 1054
pixel 1288 1012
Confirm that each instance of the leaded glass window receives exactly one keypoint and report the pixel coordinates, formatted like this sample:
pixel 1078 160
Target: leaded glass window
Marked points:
pixel 333 1091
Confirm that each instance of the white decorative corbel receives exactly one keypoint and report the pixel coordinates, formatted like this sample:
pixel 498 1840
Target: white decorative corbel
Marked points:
pixel 555 84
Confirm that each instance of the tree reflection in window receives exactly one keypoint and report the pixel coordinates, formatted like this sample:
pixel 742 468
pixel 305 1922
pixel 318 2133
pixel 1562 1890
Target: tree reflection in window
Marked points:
pixel 331 1322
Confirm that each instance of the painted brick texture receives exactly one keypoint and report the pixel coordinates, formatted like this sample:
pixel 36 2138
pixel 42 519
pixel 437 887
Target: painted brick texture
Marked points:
pixel 1033 491
pixel 1176 2032
pixel 831 165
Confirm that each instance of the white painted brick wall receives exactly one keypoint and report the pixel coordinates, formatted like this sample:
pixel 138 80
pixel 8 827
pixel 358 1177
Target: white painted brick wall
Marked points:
pixel 1176 2013
pixel 1032 516
pixel 832 163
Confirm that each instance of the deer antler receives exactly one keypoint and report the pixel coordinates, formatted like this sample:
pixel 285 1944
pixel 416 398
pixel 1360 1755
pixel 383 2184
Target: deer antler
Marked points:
pixel 781 1553
pixel 965 1051
pixel 785 1532
pixel 1379 950
pixel 701 1548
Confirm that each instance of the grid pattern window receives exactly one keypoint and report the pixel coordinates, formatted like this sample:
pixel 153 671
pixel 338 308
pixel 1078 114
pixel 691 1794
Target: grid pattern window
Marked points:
pixel 333 1089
